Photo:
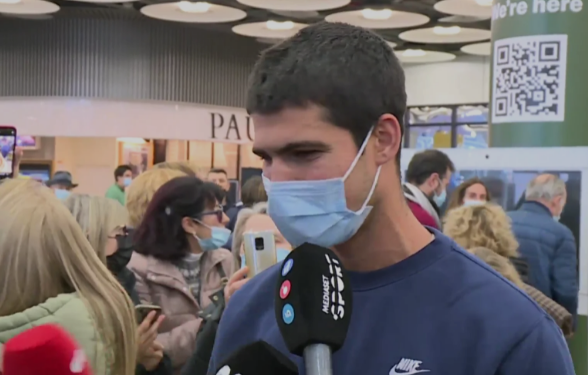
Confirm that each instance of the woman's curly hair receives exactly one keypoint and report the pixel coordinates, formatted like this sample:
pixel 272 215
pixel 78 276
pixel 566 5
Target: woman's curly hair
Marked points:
pixel 482 226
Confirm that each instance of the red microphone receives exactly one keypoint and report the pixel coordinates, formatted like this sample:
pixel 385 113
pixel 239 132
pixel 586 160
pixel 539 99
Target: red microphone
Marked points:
pixel 44 350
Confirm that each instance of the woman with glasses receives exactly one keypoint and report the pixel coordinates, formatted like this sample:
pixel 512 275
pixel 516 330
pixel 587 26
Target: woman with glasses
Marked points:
pixel 178 260
pixel 103 221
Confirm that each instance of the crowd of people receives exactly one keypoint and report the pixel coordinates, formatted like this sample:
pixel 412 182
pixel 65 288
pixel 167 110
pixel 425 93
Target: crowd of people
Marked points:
pixel 427 284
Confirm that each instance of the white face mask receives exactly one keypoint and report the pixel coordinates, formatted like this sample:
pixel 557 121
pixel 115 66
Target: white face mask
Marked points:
pixel 473 202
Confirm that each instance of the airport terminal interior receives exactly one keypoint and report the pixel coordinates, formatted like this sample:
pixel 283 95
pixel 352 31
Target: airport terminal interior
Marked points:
pixel 497 85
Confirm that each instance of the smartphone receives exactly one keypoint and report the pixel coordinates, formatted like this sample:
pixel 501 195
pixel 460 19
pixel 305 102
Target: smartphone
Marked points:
pixel 143 310
pixel 260 251
pixel 7 147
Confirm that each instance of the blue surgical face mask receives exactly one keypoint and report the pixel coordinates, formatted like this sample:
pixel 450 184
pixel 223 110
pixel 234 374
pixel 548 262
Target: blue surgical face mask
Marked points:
pixel 281 254
pixel 62 194
pixel 472 202
pixel 439 199
pixel 316 211
pixel 219 237
pixel 127 181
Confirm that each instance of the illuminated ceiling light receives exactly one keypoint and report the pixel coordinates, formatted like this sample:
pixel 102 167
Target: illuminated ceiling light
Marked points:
pixel 414 53
pixel 133 140
pixel 188 7
pixel 9 2
pixel 275 25
pixel 440 30
pixel 376 15
pixel 484 3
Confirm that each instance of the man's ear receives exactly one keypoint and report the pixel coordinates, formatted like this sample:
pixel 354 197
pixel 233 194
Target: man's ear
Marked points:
pixel 388 133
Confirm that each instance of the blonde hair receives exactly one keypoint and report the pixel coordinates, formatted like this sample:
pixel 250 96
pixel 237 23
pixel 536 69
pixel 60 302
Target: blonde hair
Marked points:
pixel 98 217
pixel 244 215
pixel 500 264
pixel 142 189
pixel 482 226
pixel 45 253
pixel 182 166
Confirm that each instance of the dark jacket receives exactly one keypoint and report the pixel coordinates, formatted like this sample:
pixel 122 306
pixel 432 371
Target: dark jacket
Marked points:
pixel 550 249
pixel 126 278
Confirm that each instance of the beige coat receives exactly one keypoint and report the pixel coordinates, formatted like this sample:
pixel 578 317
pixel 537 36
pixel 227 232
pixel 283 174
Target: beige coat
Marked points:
pixel 161 283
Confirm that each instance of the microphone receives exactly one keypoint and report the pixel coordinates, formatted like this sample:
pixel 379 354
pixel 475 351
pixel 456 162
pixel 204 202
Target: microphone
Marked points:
pixel 313 305
pixel 259 358
pixel 47 350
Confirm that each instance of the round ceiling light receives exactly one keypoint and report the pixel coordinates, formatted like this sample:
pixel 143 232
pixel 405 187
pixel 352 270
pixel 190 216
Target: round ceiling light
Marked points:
pixel 296 5
pixel 441 35
pixel 419 56
pixel 478 49
pixel 379 19
pixel 269 29
pixel 376 15
pixel 103 1
pixel 27 7
pixel 199 7
pixel 469 8
pixel 198 12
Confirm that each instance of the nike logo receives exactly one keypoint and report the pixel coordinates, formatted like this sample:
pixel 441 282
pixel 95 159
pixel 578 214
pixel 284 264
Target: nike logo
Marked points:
pixel 407 367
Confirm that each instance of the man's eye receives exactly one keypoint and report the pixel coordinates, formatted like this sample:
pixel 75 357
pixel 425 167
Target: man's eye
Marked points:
pixel 305 154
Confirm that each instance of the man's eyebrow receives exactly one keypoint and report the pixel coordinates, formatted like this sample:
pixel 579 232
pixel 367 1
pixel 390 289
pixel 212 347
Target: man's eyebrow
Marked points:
pixel 293 146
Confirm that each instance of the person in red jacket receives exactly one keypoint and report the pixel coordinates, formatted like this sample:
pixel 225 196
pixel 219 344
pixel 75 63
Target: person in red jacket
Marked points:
pixel 429 173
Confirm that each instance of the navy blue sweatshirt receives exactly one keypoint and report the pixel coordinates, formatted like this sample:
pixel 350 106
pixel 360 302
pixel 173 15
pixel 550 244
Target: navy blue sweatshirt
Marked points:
pixel 440 311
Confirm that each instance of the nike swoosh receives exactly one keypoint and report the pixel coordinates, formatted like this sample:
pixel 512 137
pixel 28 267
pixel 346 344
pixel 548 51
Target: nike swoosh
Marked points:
pixel 394 372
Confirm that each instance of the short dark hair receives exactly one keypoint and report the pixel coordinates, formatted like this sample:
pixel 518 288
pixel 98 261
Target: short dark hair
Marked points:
pixel 425 163
pixel 253 191
pixel 120 171
pixel 218 170
pixel 351 72
pixel 161 234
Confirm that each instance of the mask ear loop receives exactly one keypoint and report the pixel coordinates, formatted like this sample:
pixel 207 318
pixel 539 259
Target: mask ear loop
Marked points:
pixel 359 153
pixel 376 178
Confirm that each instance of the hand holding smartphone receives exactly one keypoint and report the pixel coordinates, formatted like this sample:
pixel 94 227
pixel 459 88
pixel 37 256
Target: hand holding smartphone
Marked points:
pixel 7 151
pixel 260 251
pixel 143 310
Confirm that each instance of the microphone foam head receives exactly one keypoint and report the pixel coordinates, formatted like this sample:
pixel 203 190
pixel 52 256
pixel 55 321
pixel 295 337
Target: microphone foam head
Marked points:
pixel 47 350
pixel 258 358
pixel 313 299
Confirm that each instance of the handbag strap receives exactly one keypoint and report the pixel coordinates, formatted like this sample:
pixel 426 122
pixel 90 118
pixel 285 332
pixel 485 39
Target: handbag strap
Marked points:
pixel 223 275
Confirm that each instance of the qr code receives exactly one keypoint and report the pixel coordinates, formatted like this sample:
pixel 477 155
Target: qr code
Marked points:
pixel 529 82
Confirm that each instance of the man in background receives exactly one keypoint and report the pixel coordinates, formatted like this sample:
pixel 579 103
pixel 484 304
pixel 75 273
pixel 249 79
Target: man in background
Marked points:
pixel 219 176
pixel 547 245
pixel 123 176
pixel 427 177
pixel 62 184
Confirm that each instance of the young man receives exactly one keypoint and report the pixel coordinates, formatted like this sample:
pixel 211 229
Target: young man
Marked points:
pixel 219 176
pixel 429 173
pixel 123 176
pixel 327 106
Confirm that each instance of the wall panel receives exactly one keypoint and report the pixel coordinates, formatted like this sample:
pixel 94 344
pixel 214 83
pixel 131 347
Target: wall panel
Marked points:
pixel 118 57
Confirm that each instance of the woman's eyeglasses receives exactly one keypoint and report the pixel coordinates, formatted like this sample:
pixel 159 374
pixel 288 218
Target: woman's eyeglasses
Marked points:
pixel 119 232
pixel 218 212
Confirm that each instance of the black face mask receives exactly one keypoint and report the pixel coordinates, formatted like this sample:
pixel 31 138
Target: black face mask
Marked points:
pixel 119 260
